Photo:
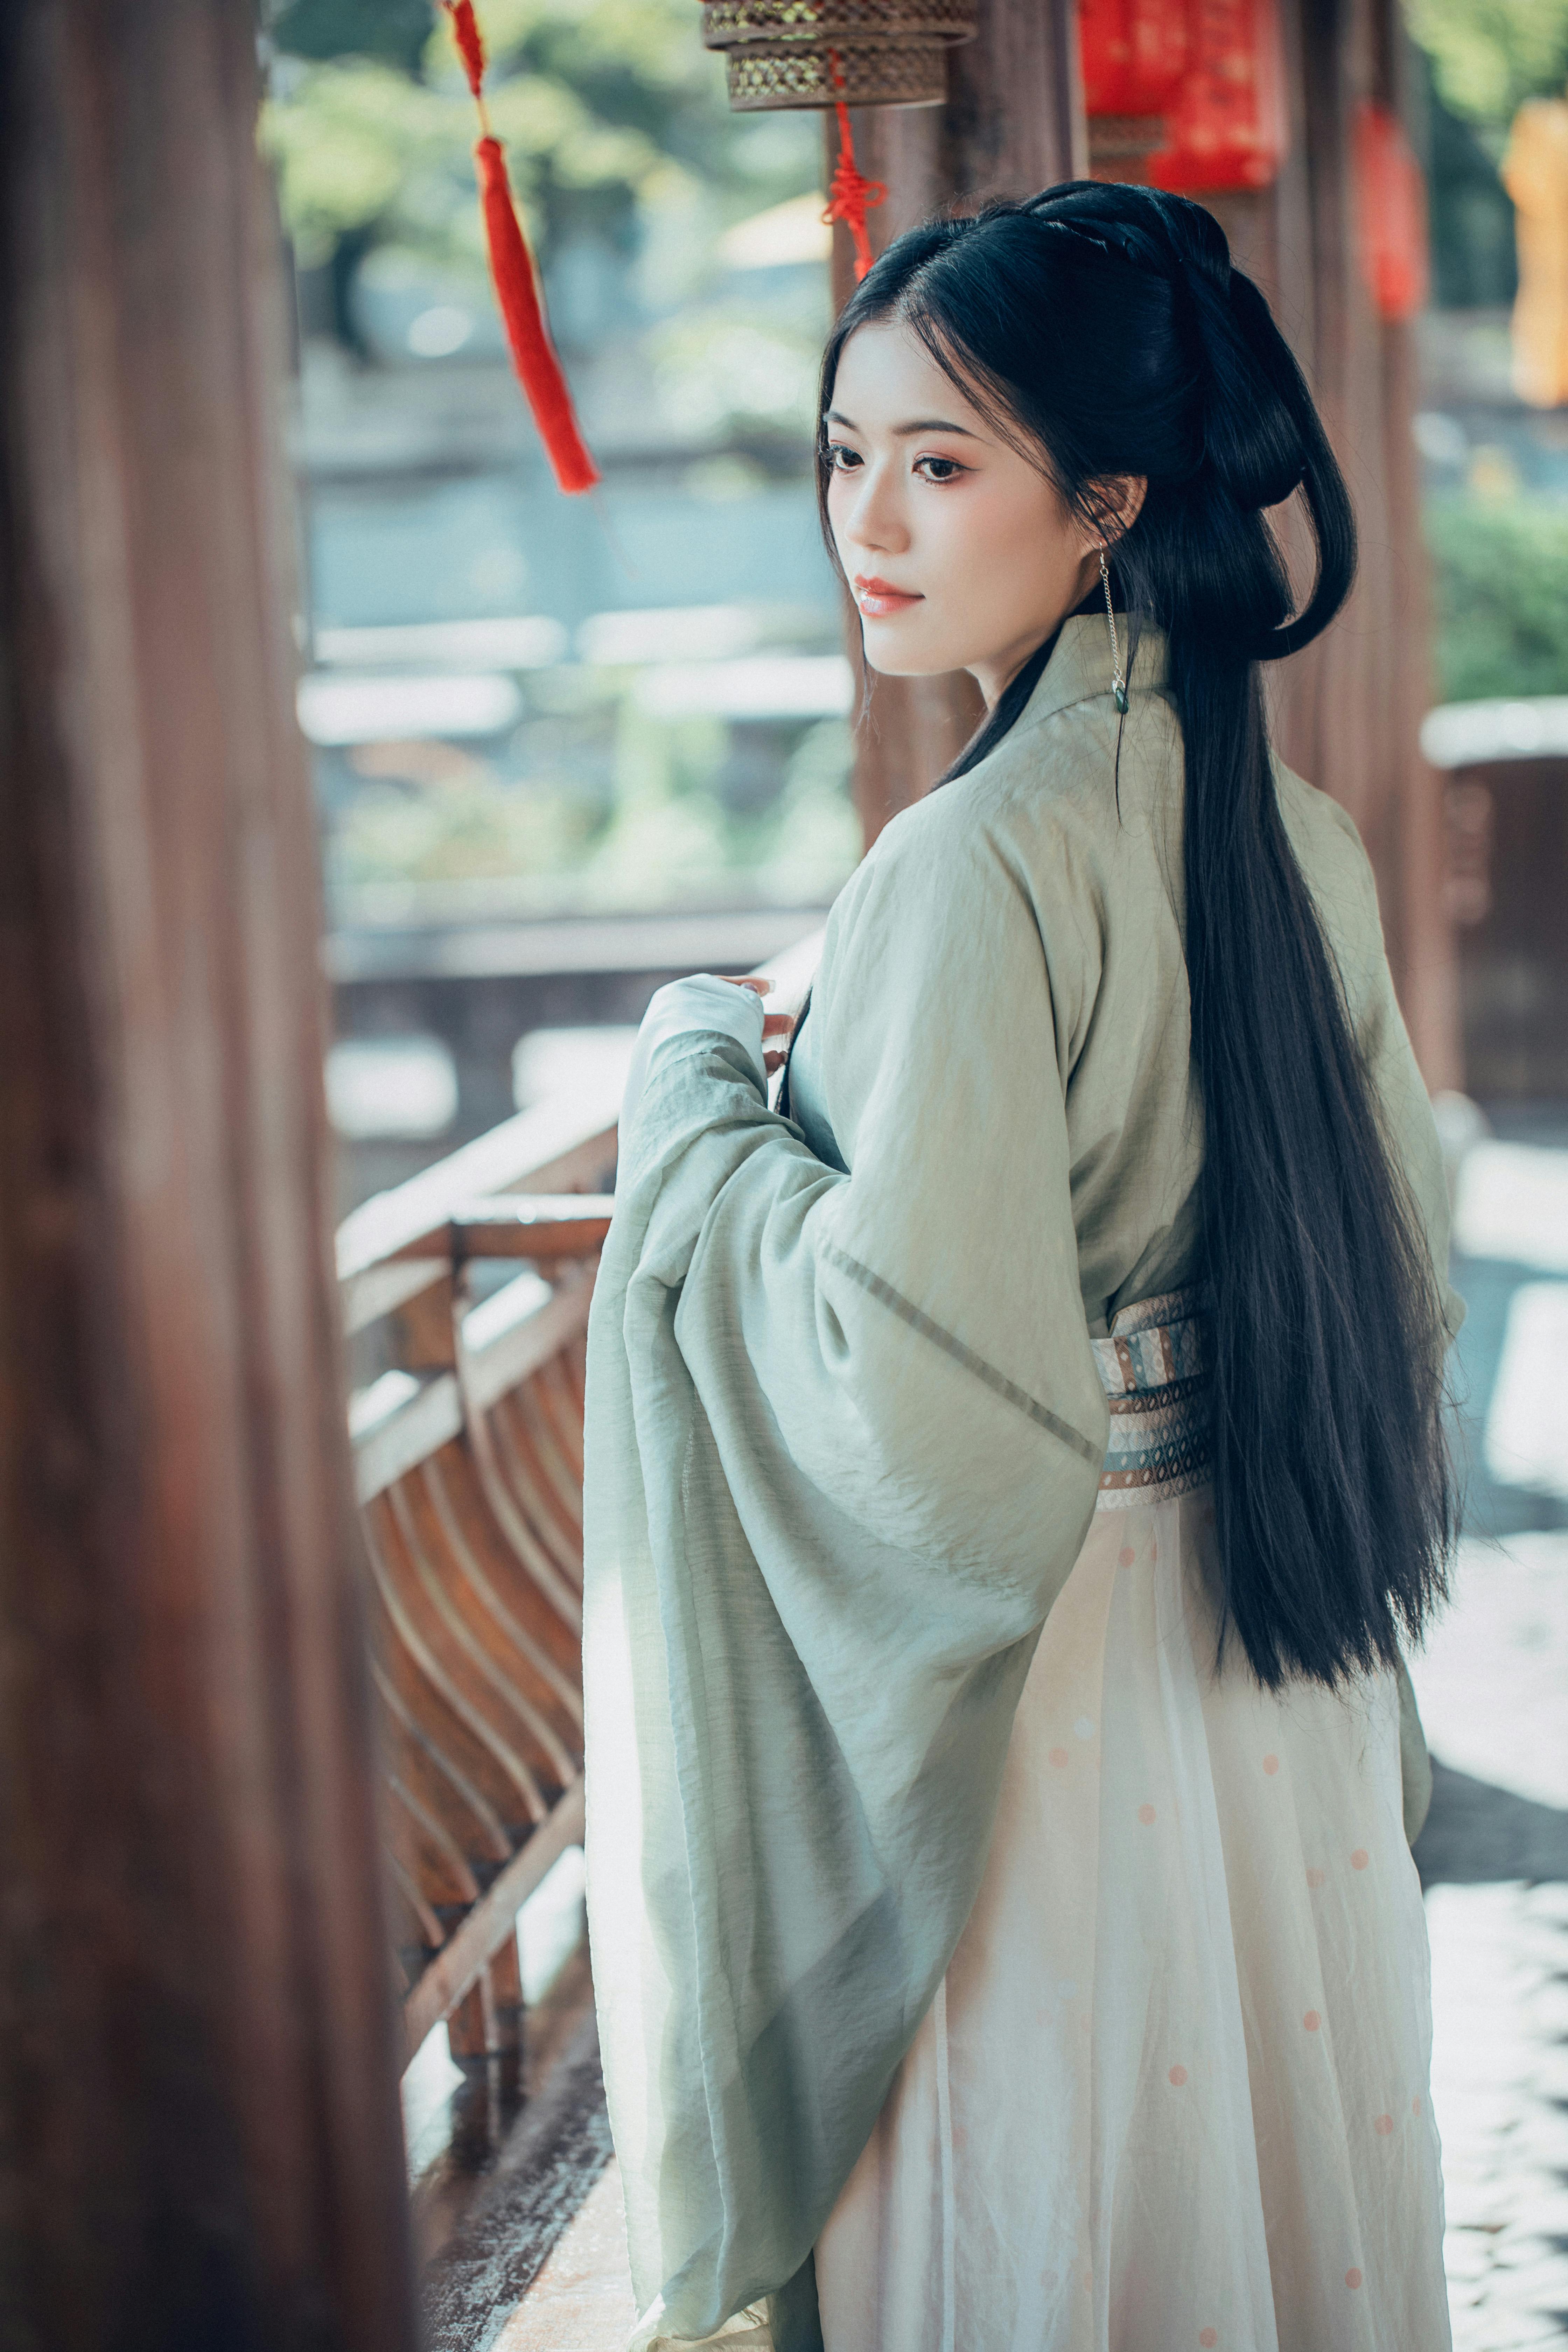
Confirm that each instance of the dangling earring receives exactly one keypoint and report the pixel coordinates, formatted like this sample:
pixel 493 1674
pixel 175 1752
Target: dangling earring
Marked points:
pixel 1118 675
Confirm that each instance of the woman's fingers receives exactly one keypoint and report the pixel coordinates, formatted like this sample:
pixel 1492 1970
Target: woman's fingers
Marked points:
pixel 774 1025
pixel 772 1062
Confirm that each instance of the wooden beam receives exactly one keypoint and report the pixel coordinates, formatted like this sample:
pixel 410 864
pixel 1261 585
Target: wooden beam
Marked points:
pixel 199 2134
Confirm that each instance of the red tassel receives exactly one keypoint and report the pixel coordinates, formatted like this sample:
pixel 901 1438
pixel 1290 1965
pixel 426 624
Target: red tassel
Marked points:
pixel 532 352
pixel 851 195
pixel 470 46
pixel 512 267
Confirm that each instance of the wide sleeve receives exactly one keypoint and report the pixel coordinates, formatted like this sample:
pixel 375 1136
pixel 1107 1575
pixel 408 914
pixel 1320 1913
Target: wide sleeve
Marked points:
pixel 844 1433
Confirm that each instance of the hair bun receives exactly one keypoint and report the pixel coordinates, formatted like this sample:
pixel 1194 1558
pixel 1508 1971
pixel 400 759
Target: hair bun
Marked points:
pixel 1255 434
pixel 1251 437
pixel 1252 433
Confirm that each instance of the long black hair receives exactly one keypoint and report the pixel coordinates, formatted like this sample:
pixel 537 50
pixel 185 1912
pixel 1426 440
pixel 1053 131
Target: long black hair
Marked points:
pixel 1104 331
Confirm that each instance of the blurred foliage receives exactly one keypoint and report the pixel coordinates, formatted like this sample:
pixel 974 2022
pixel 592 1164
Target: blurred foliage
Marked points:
pixel 465 828
pixel 1501 589
pixel 1489 55
pixel 720 369
pixel 606 107
pixel 395 30
pixel 667 832
pixel 1473 262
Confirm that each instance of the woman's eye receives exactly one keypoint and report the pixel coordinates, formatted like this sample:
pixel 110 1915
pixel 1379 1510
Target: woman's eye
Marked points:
pixel 842 459
pixel 939 469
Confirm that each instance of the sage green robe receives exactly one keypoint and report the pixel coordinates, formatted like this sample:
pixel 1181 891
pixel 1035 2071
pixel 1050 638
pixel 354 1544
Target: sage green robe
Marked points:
pixel 845 1431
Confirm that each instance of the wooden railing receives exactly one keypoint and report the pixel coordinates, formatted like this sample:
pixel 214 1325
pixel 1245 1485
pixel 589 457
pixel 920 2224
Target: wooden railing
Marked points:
pixel 468 1460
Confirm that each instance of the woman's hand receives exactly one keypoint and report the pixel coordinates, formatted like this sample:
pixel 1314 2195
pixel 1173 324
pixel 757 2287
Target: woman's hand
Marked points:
pixel 695 1002
pixel 774 1025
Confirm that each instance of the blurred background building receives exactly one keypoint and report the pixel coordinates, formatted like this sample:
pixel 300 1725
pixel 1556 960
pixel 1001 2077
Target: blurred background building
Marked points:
pixel 561 749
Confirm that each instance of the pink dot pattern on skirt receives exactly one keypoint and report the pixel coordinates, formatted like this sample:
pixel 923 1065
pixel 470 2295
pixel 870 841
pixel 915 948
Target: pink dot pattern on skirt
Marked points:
pixel 1061 1759
pixel 1271 1765
pixel 1352 2279
pixel 1416 2104
pixel 1315 1877
pixel 1145 1814
pixel 1360 1858
pixel 1178 2076
pixel 1128 1555
pixel 1384 2125
pixel 1207 2337
pixel 1312 2020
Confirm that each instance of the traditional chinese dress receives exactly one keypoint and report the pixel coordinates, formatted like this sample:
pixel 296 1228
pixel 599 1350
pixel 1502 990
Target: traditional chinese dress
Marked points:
pixel 966 1986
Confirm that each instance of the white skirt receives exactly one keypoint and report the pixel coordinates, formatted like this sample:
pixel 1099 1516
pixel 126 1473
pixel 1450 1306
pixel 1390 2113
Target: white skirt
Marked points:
pixel 1172 2091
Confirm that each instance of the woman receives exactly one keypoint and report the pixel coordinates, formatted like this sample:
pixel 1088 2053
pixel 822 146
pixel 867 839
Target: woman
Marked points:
pixel 1014 1462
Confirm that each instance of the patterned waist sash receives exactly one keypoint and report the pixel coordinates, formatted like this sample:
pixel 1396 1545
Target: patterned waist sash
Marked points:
pixel 1155 1374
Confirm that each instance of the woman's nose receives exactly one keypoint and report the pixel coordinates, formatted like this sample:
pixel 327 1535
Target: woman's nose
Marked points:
pixel 876 511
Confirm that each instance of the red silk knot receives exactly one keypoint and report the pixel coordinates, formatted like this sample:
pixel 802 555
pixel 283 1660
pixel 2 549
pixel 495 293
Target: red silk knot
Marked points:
pixel 533 355
pixel 851 195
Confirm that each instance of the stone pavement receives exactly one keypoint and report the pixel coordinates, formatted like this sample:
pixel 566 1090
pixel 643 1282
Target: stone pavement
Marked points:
pixel 1495 1859
pixel 1493 1688
pixel 582 2299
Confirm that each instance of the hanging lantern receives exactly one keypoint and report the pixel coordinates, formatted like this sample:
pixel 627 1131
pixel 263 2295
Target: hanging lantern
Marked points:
pixel 1391 202
pixel 823 53
pixel 1227 128
pixel 1134 54
pixel 839 53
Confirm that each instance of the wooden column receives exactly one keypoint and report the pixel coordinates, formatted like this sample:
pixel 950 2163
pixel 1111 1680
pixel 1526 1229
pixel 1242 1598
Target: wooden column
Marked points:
pixel 1013 124
pixel 199 2140
pixel 1347 712
pixel 1416 911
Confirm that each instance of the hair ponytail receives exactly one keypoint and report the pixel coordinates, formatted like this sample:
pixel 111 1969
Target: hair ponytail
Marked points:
pixel 1333 1493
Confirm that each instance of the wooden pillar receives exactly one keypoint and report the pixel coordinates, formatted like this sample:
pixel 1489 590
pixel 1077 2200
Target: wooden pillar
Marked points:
pixel 1422 942
pixel 1347 712
pixel 199 2140
pixel 1013 124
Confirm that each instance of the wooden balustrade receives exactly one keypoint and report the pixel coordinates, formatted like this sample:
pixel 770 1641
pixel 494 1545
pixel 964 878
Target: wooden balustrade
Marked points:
pixel 468 1465
pixel 469 1462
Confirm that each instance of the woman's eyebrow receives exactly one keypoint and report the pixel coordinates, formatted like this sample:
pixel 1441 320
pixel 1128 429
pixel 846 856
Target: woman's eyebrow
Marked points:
pixel 916 424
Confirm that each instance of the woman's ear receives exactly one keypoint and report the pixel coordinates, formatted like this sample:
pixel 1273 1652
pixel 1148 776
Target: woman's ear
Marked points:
pixel 1114 505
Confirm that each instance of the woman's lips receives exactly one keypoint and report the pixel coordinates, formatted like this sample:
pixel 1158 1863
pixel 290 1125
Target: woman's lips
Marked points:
pixel 878 600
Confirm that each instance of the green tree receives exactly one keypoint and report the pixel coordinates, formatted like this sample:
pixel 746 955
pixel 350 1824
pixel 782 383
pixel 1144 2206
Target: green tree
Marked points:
pixel 1501 581
pixel 1488 56
pixel 607 108
pixel 395 30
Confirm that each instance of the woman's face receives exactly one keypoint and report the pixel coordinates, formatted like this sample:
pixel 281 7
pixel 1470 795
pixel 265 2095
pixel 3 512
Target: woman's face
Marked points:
pixel 959 553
